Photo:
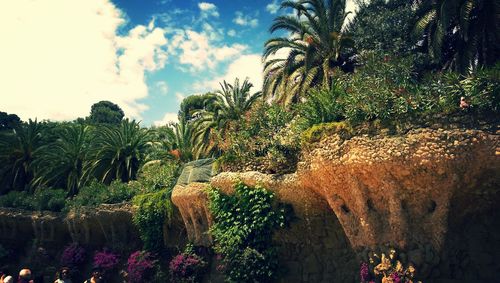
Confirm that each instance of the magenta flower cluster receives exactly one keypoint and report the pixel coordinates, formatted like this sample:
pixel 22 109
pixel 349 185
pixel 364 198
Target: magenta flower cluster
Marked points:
pixel 73 255
pixel 106 260
pixel 139 264
pixel 395 277
pixel 364 272
pixel 186 268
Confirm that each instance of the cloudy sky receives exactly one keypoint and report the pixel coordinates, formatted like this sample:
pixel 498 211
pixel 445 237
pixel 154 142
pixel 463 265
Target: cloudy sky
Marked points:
pixel 58 57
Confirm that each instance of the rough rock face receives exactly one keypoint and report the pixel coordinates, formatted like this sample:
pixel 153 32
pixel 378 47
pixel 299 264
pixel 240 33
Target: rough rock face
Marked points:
pixel 191 200
pixel 399 190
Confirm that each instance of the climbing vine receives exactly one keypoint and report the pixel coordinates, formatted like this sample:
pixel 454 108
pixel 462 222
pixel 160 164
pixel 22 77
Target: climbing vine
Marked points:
pixel 153 210
pixel 243 228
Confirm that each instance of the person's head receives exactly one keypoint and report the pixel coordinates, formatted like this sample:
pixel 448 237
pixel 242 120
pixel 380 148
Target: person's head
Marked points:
pixel 96 273
pixel 8 279
pixel 64 273
pixel 24 275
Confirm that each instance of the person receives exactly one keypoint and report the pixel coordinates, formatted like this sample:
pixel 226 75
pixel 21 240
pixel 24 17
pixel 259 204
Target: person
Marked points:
pixel 63 276
pixel 96 276
pixel 8 279
pixel 25 276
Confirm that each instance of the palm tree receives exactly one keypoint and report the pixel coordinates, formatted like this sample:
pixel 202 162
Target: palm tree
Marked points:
pixel 460 34
pixel 316 46
pixel 232 101
pixel 17 152
pixel 117 152
pixel 64 162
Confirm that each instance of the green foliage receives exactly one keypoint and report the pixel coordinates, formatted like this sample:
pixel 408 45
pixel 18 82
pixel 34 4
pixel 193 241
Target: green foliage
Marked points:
pixel 97 193
pixel 265 136
pixel 243 227
pixel 117 152
pixel 322 106
pixel 106 112
pixel 194 103
pixel 154 177
pixel 49 199
pixel 153 211
pixel 16 199
pixel 317 45
pixel 42 199
pixel 9 121
pixel 383 26
pixel 317 132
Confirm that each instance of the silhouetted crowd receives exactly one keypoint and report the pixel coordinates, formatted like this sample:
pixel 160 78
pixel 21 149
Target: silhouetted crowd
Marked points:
pixel 62 276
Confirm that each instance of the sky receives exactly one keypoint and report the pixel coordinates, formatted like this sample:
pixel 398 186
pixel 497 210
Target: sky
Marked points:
pixel 58 57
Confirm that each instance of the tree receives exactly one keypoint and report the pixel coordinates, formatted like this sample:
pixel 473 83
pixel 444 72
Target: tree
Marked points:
pixel 18 149
pixel 64 162
pixel 106 112
pixel 460 34
pixel 195 103
pixel 116 153
pixel 9 121
pixel 384 26
pixel 317 45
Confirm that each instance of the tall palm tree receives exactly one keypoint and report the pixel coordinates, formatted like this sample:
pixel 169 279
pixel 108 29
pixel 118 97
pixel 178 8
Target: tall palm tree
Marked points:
pixel 64 162
pixel 460 34
pixel 317 44
pixel 17 152
pixel 117 152
pixel 232 101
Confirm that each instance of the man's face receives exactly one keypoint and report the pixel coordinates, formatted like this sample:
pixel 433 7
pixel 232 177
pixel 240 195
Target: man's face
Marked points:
pixel 96 275
pixel 65 273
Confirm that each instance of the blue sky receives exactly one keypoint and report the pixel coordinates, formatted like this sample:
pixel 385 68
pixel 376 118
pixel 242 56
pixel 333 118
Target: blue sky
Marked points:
pixel 59 57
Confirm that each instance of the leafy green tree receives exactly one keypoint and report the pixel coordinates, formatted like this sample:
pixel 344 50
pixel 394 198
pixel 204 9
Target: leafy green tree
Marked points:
pixel 117 152
pixel 106 112
pixel 17 151
pixel 384 26
pixel 195 103
pixel 9 121
pixel 460 34
pixel 64 163
pixel 317 45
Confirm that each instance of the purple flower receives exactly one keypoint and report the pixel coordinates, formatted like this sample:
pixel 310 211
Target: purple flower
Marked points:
pixel 106 260
pixel 364 272
pixel 73 255
pixel 395 277
pixel 139 264
pixel 186 267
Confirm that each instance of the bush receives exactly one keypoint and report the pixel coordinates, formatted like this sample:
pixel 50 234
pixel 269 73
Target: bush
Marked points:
pixel 97 193
pixel 49 199
pixel 154 177
pixel 106 260
pixel 73 255
pixel 16 199
pixel 386 268
pixel 243 227
pixel 140 266
pixel 187 267
pixel 153 210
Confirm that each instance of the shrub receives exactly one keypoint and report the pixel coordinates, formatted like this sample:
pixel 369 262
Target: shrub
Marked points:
pixel 187 267
pixel 49 199
pixel 242 231
pixel 98 193
pixel 158 176
pixel 106 260
pixel 140 266
pixel 16 199
pixel 153 210
pixel 73 255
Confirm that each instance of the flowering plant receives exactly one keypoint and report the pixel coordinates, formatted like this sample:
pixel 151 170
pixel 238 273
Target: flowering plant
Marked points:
pixel 73 255
pixel 187 267
pixel 139 266
pixel 106 260
pixel 386 269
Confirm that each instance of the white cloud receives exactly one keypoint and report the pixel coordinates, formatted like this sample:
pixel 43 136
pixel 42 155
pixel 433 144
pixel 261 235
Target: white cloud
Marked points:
pixel 59 57
pixel 197 51
pixel 162 87
pixel 169 117
pixel 244 66
pixel 273 7
pixel 180 97
pixel 208 9
pixel 231 32
pixel 245 20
